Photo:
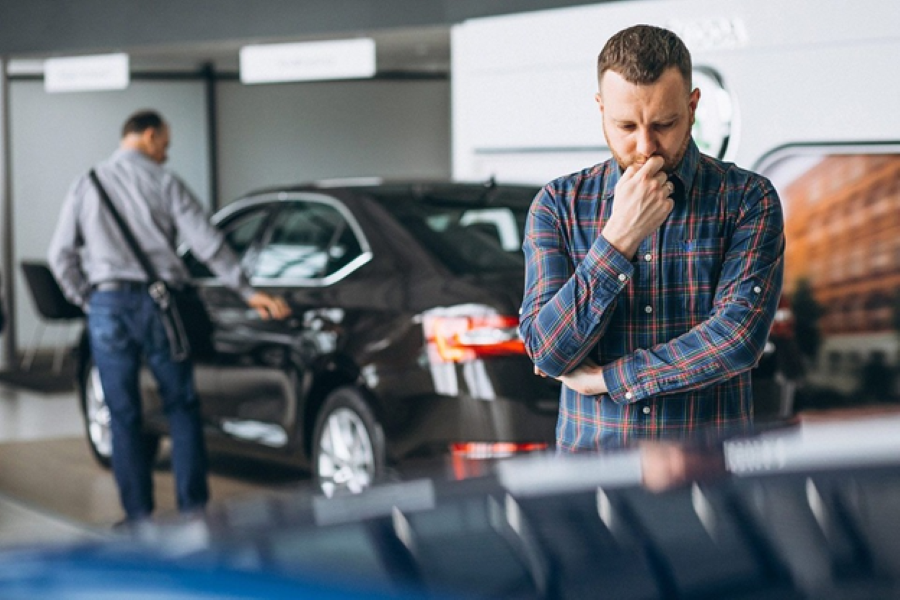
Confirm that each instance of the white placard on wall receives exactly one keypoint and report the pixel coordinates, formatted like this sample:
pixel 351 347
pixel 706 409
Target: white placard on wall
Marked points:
pixel 86 73
pixel 308 61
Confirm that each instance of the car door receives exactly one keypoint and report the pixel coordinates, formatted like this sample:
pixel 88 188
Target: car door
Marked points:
pixel 242 227
pixel 265 364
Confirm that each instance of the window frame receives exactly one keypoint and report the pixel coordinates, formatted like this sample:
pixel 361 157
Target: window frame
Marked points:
pixel 282 201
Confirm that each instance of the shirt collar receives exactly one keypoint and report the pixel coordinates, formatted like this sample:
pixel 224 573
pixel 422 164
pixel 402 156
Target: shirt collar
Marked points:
pixel 131 154
pixel 688 166
pixel 684 171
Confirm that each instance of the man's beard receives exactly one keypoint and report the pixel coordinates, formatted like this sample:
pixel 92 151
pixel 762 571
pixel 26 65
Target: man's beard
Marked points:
pixel 670 164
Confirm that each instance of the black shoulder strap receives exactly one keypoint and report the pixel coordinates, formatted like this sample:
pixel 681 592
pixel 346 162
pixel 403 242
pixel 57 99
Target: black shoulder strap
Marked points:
pixel 126 231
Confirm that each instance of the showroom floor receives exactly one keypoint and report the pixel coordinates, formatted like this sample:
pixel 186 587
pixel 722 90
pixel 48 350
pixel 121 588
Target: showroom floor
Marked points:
pixel 51 489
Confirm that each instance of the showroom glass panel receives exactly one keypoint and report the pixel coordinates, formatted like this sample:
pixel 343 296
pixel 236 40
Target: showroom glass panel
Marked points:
pixel 309 240
pixel 842 267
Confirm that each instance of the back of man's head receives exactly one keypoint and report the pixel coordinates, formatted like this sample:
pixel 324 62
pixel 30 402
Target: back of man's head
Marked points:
pixel 141 121
pixel 641 53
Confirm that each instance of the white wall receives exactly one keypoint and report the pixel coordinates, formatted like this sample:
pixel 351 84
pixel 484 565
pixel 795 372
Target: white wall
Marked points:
pixel 294 133
pixel 268 135
pixel 798 71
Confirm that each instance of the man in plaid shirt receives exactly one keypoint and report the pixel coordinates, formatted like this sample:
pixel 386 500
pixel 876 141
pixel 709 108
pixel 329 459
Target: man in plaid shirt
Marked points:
pixel 651 279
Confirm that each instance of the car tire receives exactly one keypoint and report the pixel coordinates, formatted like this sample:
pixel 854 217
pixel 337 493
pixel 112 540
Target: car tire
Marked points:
pixel 348 444
pixel 97 421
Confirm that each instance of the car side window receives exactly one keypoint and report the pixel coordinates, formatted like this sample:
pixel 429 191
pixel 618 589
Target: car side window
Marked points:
pixel 309 240
pixel 240 231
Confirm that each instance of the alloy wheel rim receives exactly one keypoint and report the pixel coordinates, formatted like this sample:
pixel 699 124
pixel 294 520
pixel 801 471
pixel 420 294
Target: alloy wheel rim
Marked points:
pixel 98 416
pixel 346 456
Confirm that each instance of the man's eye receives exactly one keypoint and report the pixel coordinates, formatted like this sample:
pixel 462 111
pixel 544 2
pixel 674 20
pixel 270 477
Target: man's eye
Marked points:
pixel 664 126
pixel 627 127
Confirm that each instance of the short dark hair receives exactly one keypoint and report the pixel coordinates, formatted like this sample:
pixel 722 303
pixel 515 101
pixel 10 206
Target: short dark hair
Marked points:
pixel 141 121
pixel 642 53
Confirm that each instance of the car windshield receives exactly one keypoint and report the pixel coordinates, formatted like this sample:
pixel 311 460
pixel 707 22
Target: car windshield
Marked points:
pixel 471 229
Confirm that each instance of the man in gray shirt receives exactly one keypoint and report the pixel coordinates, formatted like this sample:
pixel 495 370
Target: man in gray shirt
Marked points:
pixel 97 270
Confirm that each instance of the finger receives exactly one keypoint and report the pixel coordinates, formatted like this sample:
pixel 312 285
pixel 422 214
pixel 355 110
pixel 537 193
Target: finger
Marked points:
pixel 651 166
pixel 670 188
pixel 629 171
pixel 660 178
pixel 284 310
pixel 277 308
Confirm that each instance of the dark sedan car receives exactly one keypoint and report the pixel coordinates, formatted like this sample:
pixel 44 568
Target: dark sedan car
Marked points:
pixel 403 339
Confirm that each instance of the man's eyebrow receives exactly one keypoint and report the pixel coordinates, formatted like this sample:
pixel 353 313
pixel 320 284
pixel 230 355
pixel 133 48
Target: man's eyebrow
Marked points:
pixel 663 119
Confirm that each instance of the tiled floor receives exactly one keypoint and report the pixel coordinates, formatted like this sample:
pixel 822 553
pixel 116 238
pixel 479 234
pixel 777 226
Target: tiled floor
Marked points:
pixel 29 416
pixel 52 490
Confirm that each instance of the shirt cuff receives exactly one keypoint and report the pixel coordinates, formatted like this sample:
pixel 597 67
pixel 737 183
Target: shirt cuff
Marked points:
pixel 246 292
pixel 621 382
pixel 607 266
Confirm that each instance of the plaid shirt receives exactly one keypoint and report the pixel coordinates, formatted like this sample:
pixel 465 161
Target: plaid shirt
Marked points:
pixel 677 327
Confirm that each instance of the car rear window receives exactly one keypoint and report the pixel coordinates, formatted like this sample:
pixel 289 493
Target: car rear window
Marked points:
pixel 470 229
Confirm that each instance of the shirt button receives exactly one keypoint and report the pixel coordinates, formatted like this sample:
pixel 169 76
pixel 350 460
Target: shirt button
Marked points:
pixel 622 277
pixel 646 410
pixel 757 289
pixel 648 257
pixel 629 395
pixel 648 309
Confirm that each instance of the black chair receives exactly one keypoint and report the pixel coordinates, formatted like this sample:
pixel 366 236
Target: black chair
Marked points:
pixel 51 305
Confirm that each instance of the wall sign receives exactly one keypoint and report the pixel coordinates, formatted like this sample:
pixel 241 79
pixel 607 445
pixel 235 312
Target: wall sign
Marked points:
pixel 308 61
pixel 86 73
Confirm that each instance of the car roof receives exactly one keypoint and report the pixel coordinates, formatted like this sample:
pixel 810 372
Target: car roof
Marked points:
pixel 374 183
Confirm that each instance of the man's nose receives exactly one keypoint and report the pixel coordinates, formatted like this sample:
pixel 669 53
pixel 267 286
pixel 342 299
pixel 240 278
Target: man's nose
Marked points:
pixel 646 143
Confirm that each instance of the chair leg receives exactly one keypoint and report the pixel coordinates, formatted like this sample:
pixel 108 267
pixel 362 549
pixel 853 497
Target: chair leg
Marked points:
pixel 28 358
pixel 58 356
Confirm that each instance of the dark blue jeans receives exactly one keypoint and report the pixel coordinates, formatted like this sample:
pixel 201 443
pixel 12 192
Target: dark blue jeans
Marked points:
pixel 124 327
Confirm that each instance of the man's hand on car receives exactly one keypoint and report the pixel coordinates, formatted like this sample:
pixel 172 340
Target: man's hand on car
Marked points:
pixel 269 307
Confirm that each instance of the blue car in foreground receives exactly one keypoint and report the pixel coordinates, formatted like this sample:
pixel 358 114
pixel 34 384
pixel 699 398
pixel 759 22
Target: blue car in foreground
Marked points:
pixel 807 510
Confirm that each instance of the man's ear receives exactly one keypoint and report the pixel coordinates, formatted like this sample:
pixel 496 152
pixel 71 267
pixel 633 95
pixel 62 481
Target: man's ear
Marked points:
pixel 599 100
pixel 693 101
pixel 147 137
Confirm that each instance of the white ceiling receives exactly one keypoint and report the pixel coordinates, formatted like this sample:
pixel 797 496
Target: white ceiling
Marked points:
pixel 421 50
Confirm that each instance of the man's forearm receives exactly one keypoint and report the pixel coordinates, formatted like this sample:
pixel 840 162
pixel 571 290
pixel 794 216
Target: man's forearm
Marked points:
pixel 587 379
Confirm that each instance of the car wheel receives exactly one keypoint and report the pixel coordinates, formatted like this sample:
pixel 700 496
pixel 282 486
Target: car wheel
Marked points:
pixel 349 449
pixel 97 421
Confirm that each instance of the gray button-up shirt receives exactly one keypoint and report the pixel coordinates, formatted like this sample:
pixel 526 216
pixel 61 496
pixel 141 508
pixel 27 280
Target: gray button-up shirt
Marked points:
pixel 89 248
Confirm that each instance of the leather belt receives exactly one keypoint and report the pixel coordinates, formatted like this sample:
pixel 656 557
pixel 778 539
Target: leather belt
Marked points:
pixel 120 286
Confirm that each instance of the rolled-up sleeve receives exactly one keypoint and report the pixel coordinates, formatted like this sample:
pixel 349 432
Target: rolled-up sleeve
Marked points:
pixel 566 308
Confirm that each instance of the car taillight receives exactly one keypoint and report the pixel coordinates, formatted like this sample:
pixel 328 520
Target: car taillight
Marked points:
pixel 783 325
pixel 465 338
pixel 473 459
pixel 488 450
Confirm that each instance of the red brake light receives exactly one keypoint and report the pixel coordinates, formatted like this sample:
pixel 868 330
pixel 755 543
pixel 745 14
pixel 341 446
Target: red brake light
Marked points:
pixel 466 338
pixel 487 450
pixel 472 459
pixel 783 325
